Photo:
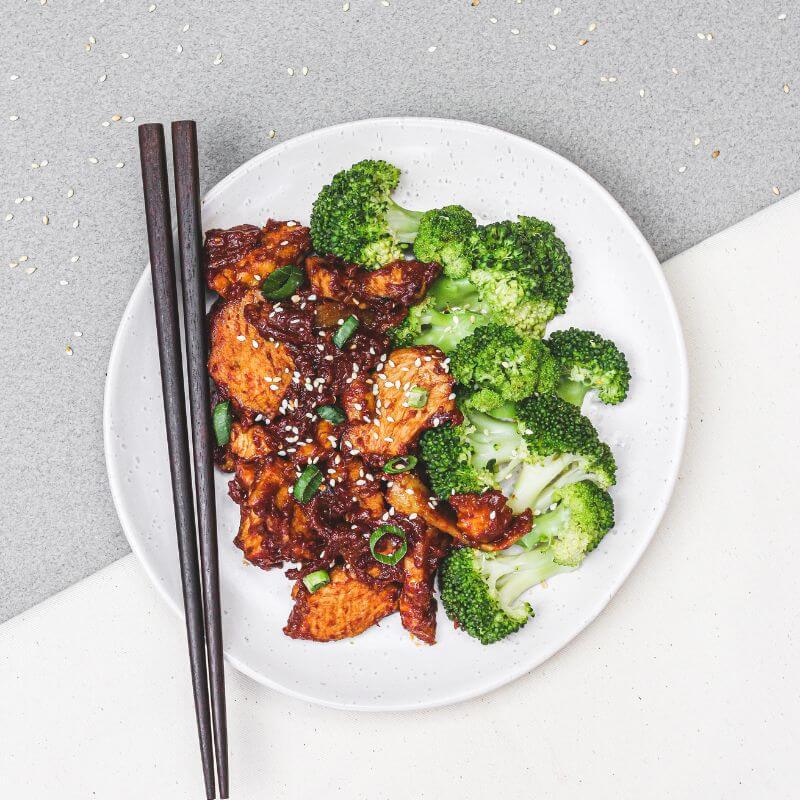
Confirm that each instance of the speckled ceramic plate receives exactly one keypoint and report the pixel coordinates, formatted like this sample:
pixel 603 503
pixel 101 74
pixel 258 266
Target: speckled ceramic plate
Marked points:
pixel 619 291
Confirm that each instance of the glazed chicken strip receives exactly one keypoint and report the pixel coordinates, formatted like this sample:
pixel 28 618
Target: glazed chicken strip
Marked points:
pixel 417 604
pixel 485 521
pixel 345 607
pixel 388 411
pixel 409 495
pixel 274 527
pixel 247 368
pixel 241 257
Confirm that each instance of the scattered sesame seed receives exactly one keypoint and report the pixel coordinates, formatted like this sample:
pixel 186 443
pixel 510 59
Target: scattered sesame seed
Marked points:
pixel 289 71
pixel 583 42
pixel 74 259
pixel 70 193
pixel 305 70
pixel 23 258
pixel 129 119
pixel 30 270
pixel 152 8
pixel 185 28
pixel 13 77
pixel 116 118
pixel 432 48
pixel 715 154
pixel 641 92
pixel 696 141
pixel 179 49
pixel 62 282
pixel 14 117
pixel 682 169
pixel 592 27
pixel 92 160
pixel 272 134
pixel 346 7
pixel 515 31
pixel 217 60
pixel 68 350
pixel 786 88
pixel 674 70
pixel 781 17
pixel 119 164
pixel 105 123
pixel 77 333
pixel 124 55
pixel 776 191
pixel 102 78
pixel 76 223
pixel 45 220
pixel 556 11
pixel 9 217
pixel 551 45
pixel 493 20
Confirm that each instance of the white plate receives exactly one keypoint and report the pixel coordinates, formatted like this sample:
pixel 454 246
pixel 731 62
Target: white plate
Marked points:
pixel 620 292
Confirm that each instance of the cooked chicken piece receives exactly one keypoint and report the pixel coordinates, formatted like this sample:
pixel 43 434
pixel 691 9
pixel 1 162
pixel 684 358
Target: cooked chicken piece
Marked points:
pixel 414 392
pixel 405 282
pixel 250 442
pixel 409 495
pixel 247 368
pixel 323 442
pixel 365 487
pixel 417 605
pixel 274 527
pixel 343 608
pixel 485 521
pixel 243 256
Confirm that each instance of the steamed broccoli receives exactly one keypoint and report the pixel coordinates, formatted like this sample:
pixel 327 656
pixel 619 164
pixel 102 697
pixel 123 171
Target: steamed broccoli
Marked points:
pixel 522 271
pixel 425 324
pixel 562 448
pixel 480 591
pixel 444 236
pixel 480 453
pixel 588 361
pixel 582 514
pixel 355 218
pixel 502 366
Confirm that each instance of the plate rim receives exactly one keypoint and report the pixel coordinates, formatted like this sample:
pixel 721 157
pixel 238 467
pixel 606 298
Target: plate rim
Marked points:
pixel 682 402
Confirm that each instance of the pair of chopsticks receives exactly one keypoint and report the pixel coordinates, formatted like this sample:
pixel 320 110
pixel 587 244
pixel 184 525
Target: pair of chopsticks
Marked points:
pixel 200 579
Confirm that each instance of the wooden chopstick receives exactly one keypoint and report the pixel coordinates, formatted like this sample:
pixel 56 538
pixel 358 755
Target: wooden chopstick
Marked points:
pixel 159 235
pixel 187 202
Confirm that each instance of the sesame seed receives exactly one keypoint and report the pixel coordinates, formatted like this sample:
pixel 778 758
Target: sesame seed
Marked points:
pixel 129 119
pixel 179 49
pixel 682 169
pixel 551 45
pixel 346 7
pixel 304 70
pixel 776 191
pixel 515 31
pixel 74 259
pixel 493 20
pixel 556 11
pixel 715 154
pixel 217 59
pixel 289 71
pixel 30 270
pixel 116 118
pixel 70 192
pixel 152 8
pixel 119 164
pixel 68 350
pixel 124 55
pixel 102 78
pixel 786 88
pixel 13 118
pixel 76 223
pixel 92 160
pixel 583 41
pixel 9 217
pixel 45 220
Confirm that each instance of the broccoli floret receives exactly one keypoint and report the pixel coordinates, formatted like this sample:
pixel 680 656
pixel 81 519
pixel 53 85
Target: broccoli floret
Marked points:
pixel 522 271
pixel 563 448
pixel 480 453
pixel 355 218
pixel 425 324
pixel 444 236
pixel 449 313
pixel 582 514
pixel 503 366
pixel 480 591
pixel 588 361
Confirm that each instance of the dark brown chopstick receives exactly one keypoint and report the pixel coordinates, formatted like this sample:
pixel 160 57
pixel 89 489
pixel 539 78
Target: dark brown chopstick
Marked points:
pixel 187 202
pixel 159 234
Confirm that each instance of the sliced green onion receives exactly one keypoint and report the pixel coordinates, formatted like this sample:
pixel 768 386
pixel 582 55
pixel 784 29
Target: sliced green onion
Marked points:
pixel 282 283
pixel 316 580
pixel 400 464
pixel 346 330
pixel 307 484
pixel 221 421
pixel 331 413
pixel 388 530
pixel 417 397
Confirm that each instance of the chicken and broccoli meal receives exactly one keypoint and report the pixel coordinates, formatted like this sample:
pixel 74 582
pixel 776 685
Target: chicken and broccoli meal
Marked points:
pixel 395 416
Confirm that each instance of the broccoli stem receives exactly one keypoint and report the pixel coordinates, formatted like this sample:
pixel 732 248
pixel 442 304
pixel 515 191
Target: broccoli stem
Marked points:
pixel 546 527
pixel 532 568
pixel 536 483
pixel 403 223
pixel 452 293
pixel 573 391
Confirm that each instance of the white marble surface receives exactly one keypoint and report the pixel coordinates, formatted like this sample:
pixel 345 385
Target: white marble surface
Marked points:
pixel 685 687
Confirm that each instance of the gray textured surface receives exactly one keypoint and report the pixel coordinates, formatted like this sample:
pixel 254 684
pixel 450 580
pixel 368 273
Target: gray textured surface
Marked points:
pixel 57 523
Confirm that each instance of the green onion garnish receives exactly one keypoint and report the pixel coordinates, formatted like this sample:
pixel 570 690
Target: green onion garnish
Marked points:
pixel 307 484
pixel 331 413
pixel 346 330
pixel 417 397
pixel 283 282
pixel 388 530
pixel 316 580
pixel 400 464
pixel 221 420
